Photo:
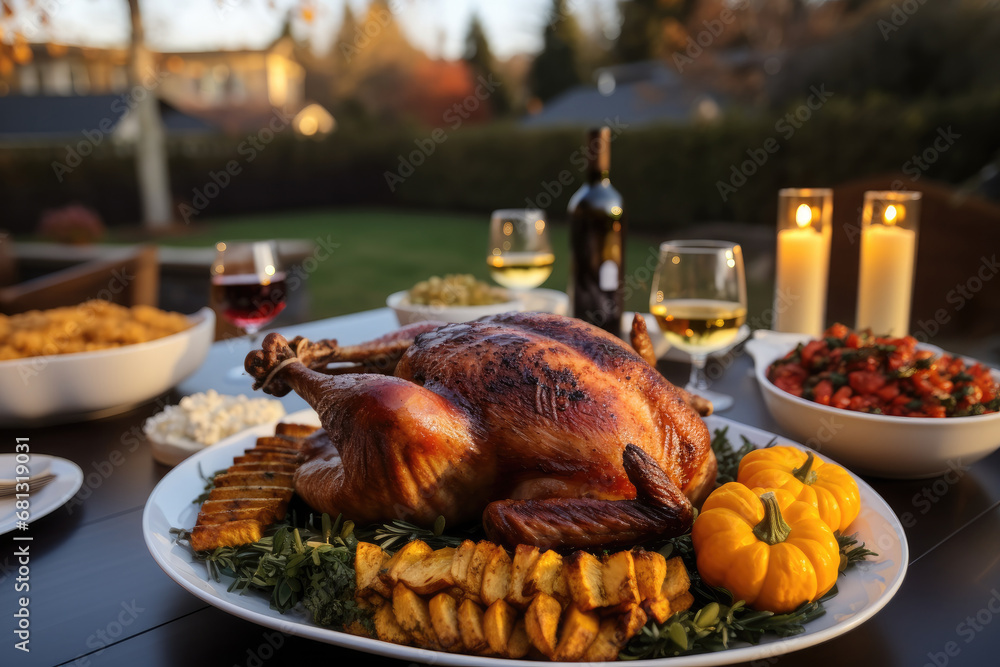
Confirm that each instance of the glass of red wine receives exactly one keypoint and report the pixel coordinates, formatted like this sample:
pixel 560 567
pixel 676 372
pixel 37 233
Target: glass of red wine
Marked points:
pixel 248 285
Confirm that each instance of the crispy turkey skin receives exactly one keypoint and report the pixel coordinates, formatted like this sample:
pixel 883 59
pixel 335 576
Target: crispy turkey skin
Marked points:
pixel 512 407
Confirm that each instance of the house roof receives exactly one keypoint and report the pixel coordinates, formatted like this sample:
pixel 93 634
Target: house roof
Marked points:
pixel 638 93
pixel 43 118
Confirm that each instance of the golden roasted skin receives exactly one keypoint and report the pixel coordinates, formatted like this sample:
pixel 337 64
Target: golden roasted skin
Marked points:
pixel 515 406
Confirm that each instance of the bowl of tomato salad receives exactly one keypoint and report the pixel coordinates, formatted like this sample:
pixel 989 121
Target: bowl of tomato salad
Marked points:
pixel 885 406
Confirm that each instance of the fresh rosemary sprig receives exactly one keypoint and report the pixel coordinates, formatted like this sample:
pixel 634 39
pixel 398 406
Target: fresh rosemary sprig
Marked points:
pixel 296 565
pixel 209 481
pixel 851 552
pixel 713 627
pixel 391 536
pixel 729 458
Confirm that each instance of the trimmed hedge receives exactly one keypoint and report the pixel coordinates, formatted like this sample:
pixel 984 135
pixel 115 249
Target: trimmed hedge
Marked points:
pixel 669 175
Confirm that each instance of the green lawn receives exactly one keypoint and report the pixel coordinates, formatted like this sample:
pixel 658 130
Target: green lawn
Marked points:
pixel 383 251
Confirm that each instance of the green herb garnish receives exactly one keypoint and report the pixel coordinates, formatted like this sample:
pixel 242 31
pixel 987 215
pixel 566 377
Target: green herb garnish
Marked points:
pixel 296 565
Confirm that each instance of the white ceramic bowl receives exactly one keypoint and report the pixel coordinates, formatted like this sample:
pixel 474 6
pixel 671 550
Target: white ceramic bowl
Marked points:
pixel 881 445
pixel 408 313
pixel 85 385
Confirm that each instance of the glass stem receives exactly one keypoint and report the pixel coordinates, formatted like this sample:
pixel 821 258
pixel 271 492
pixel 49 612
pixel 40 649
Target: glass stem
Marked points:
pixel 697 381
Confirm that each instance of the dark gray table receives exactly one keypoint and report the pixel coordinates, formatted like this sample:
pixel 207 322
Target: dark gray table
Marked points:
pixel 97 597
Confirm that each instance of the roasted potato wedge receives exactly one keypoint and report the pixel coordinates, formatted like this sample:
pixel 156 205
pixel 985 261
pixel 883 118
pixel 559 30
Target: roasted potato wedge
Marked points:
pixel 408 554
pixel 473 582
pixel 263 478
pixel 231 534
pixel 470 626
pixel 658 608
pixel 607 644
pixel 496 578
pixel 429 573
pixel 524 559
pixel 676 579
pixel 546 577
pixel 650 571
pixel 413 615
pixel 681 602
pixel 226 492
pixel 618 573
pixel 263 466
pixel 263 515
pixel 498 626
pixel 461 561
pixel 369 560
pixel 578 631
pixel 444 617
pixel 277 504
pixel 542 622
pixel 294 431
pixel 518 645
pixel 387 628
pixel 585 577
pixel 257 457
pixel 631 621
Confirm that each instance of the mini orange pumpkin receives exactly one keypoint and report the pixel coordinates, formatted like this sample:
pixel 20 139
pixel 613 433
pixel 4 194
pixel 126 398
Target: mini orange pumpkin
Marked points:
pixel 826 486
pixel 765 547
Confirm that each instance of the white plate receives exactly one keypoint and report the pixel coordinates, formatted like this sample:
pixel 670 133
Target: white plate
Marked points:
pixel 88 385
pixel 52 496
pixel 863 591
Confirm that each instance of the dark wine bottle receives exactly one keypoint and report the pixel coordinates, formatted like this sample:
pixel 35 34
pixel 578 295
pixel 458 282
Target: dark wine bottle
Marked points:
pixel 597 241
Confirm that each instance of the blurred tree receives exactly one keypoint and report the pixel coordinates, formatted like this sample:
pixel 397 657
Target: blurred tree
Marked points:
pixel 650 28
pixel 151 147
pixel 555 69
pixel 480 60
pixel 943 49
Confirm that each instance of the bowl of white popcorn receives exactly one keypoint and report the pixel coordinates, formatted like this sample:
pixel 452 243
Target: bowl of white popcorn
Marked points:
pixel 203 419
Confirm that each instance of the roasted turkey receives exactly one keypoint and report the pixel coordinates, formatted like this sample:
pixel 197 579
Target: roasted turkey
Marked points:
pixel 523 420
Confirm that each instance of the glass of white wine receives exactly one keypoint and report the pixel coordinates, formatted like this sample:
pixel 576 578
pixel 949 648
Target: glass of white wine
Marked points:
pixel 520 254
pixel 699 299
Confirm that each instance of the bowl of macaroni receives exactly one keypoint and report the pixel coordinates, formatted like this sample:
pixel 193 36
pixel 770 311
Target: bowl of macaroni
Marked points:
pixel 95 359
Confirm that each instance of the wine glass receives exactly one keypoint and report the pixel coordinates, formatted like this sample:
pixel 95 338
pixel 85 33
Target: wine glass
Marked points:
pixel 520 254
pixel 248 286
pixel 699 300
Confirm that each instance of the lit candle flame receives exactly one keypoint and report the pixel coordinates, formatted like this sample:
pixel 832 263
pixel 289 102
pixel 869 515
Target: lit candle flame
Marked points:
pixel 803 215
pixel 890 214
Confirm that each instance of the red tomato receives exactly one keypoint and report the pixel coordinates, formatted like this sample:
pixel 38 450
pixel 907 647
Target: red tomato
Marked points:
pixel 842 398
pixel 811 349
pixel 865 382
pixel 822 392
